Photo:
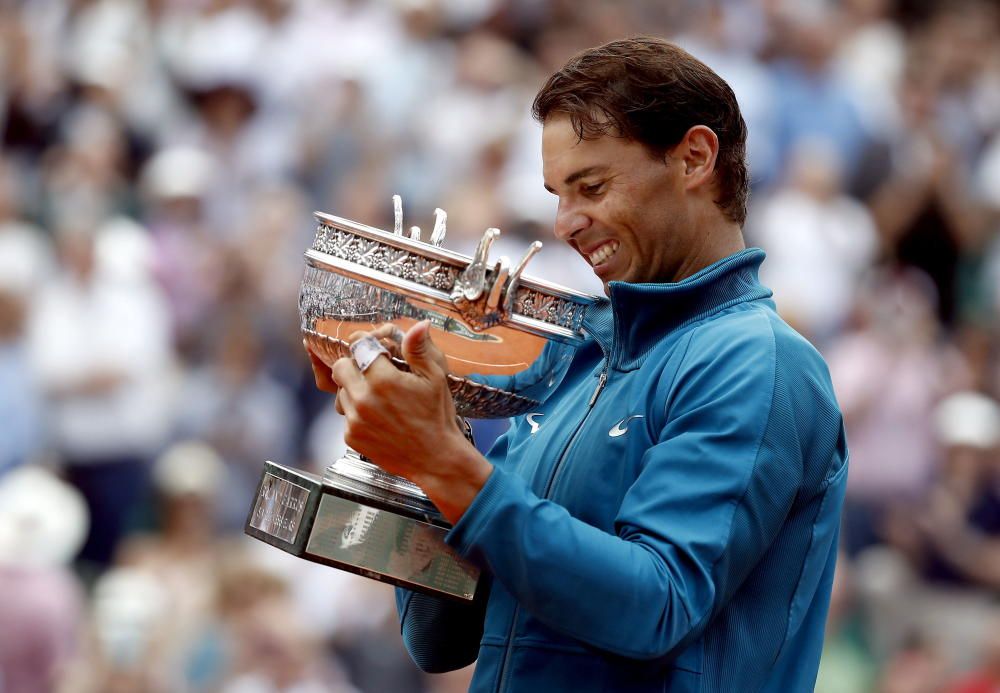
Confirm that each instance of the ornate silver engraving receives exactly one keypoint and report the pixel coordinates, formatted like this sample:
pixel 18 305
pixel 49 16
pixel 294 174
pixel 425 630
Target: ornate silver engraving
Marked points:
pixel 384 257
pixel 412 266
pixel 552 309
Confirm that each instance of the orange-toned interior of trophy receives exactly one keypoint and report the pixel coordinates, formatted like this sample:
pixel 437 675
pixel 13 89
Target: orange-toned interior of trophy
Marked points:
pixel 500 350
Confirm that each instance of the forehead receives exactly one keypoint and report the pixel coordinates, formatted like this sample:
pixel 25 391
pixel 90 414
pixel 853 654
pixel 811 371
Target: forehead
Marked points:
pixel 564 153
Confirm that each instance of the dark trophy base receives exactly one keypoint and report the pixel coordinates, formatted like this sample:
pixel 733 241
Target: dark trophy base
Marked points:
pixel 331 520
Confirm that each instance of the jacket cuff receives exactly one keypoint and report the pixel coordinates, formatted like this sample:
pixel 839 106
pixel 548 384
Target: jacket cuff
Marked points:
pixel 464 536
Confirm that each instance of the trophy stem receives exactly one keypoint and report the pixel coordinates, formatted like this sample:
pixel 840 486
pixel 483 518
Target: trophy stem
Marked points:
pixel 355 473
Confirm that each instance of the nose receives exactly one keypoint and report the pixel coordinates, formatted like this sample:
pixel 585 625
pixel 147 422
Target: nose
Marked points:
pixel 570 219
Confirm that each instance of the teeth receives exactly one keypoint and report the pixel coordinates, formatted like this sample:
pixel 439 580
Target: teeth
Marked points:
pixel 603 253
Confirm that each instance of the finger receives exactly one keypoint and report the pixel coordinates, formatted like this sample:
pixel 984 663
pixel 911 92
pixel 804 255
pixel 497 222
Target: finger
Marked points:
pixel 322 374
pixel 344 404
pixel 391 338
pixel 356 335
pixel 424 357
pixel 388 331
pixel 388 335
pixel 366 351
pixel 346 374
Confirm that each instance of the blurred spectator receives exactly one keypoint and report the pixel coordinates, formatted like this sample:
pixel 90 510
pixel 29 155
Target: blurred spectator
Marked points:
pixel 870 56
pixel 939 578
pixel 100 343
pixel 270 253
pixel 26 258
pixel 919 667
pixel 962 520
pixel 43 522
pixel 925 209
pixel 234 404
pixel 21 407
pixel 820 243
pixel 272 649
pixel 813 102
pixel 986 677
pixel 126 624
pixel 187 259
pixel 183 558
pixel 889 373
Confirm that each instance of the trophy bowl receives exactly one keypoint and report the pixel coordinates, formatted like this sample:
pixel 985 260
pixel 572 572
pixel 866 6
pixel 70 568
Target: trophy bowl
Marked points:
pixel 508 340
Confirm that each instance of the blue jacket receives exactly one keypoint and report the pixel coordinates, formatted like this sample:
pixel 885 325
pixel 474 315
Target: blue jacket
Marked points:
pixel 667 520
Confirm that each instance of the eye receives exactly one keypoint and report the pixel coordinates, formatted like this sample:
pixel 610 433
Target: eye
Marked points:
pixel 593 188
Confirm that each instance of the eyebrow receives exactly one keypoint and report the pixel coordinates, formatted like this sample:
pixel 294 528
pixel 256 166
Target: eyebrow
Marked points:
pixel 582 173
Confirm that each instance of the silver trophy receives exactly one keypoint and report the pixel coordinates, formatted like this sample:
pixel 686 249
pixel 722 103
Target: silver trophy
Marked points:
pixel 508 340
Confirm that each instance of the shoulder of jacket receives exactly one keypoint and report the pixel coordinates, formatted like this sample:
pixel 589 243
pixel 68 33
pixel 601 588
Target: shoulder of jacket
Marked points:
pixel 749 330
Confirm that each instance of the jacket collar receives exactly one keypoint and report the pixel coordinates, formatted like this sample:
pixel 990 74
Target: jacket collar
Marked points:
pixel 637 317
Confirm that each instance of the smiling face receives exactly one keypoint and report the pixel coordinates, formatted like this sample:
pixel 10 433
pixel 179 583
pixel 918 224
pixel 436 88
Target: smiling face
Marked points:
pixel 622 209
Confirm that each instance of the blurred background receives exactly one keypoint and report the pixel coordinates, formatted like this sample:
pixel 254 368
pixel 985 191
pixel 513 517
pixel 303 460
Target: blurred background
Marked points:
pixel 160 162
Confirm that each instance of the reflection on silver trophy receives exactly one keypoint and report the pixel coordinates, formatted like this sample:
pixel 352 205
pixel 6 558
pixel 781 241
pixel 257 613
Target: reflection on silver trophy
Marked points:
pixel 508 340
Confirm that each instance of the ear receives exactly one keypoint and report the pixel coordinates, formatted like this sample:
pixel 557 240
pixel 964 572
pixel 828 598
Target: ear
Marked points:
pixel 697 152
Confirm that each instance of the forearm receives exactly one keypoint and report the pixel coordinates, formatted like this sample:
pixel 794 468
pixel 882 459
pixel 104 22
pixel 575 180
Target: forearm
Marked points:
pixel 610 592
pixel 454 481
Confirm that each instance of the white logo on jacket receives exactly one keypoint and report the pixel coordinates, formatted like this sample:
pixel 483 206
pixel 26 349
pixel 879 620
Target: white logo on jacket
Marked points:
pixel 535 425
pixel 621 428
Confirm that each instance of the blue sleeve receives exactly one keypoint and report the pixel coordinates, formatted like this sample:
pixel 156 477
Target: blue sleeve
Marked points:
pixel 712 493
pixel 440 634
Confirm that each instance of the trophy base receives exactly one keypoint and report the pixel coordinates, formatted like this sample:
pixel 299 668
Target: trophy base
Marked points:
pixel 335 521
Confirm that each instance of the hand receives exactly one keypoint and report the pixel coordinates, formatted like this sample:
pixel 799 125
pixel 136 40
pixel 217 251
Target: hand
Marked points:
pixel 388 334
pixel 406 423
pixel 321 371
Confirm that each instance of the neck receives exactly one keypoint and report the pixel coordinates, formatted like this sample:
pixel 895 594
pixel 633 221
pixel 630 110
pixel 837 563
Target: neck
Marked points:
pixel 714 240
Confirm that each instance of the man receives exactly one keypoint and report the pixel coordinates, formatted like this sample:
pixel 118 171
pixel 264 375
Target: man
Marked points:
pixel 671 523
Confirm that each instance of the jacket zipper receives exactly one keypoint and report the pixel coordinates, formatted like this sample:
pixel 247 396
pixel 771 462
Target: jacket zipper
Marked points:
pixel 601 382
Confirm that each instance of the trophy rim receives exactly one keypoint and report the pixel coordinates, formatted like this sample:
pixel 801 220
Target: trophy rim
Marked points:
pixel 458 260
pixel 317 259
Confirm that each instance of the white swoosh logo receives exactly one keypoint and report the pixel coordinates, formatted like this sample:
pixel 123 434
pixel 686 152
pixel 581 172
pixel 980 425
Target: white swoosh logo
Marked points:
pixel 531 422
pixel 621 428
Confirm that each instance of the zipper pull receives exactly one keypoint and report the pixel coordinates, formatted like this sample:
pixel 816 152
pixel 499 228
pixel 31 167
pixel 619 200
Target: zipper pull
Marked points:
pixel 600 386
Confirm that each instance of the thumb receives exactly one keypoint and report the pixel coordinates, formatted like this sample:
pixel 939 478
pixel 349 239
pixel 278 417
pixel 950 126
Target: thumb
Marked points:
pixel 420 352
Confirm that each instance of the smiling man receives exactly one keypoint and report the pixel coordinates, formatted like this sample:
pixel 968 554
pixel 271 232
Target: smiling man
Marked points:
pixel 667 521
pixel 637 214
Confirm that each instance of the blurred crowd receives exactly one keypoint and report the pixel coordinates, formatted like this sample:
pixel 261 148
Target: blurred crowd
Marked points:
pixel 160 162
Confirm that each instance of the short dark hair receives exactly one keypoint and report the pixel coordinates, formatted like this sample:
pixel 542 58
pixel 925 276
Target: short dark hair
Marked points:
pixel 652 92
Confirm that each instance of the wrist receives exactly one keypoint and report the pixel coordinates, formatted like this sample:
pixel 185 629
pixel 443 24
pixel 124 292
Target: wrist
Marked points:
pixel 458 476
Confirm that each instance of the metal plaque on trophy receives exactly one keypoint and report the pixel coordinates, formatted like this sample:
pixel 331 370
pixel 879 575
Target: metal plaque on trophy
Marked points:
pixel 508 340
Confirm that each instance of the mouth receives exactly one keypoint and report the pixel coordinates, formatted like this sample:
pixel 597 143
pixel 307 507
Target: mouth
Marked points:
pixel 603 253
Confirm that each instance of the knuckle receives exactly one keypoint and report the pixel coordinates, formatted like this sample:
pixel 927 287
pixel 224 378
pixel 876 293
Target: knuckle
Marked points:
pixel 364 409
pixel 339 365
pixel 374 380
pixel 342 362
